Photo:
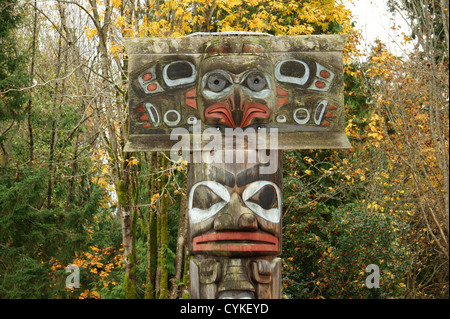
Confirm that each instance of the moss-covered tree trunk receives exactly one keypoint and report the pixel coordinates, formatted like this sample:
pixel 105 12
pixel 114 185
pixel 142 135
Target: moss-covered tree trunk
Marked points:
pixel 164 280
pixel 128 226
pixel 185 293
pixel 181 240
pixel 158 226
pixel 152 242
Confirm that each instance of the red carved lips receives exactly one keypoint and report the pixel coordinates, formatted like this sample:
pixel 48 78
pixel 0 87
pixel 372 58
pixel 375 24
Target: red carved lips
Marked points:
pixel 222 111
pixel 254 110
pixel 251 110
pixel 236 241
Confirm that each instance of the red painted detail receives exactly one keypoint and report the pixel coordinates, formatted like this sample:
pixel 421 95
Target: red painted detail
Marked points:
pixel 140 109
pixel 254 110
pixel 328 114
pixel 191 93
pixel 247 49
pixel 320 84
pixel 147 77
pixel 281 91
pixel 220 111
pixel 215 50
pixel 223 49
pixel 282 96
pixel 144 117
pixel 281 101
pixel 191 98
pixel 192 103
pixel 325 123
pixel 151 87
pixel 147 125
pixel 252 49
pixel 241 241
pixel 332 107
pixel 325 74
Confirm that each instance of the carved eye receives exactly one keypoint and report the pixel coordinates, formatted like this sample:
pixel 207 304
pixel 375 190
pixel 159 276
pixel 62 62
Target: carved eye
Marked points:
pixel 216 82
pixel 264 199
pixel 320 111
pixel 179 73
pixel 294 71
pixel 153 114
pixel 206 199
pixel 301 115
pixel 256 81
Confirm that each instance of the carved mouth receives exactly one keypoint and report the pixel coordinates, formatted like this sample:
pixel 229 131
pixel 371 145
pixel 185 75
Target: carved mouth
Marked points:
pixel 220 111
pixel 236 241
pixel 254 110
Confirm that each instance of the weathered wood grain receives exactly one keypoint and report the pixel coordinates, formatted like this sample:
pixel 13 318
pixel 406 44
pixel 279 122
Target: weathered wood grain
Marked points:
pixel 299 90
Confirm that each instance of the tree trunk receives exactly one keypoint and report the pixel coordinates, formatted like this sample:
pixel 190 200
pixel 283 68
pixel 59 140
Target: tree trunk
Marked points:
pixel 55 122
pixel 152 243
pixel 127 214
pixel 30 101
pixel 74 165
pixel 181 240
pixel 164 233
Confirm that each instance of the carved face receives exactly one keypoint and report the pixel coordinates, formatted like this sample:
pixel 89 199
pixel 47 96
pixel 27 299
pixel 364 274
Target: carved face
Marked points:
pixel 236 90
pixel 237 83
pixel 233 210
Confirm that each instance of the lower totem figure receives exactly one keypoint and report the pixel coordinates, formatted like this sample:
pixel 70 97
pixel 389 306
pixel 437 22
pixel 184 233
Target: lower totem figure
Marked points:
pixel 234 218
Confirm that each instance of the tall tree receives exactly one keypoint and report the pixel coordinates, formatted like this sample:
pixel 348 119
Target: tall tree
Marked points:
pixel 412 115
pixel 13 71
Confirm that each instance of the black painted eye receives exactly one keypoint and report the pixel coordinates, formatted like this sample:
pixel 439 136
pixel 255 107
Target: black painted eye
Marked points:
pixel 179 70
pixel 266 197
pixel 179 73
pixel 216 82
pixel 256 81
pixel 204 197
pixel 295 71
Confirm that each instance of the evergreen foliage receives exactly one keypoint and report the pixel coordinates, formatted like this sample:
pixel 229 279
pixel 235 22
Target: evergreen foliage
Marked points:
pixel 13 68
pixel 342 210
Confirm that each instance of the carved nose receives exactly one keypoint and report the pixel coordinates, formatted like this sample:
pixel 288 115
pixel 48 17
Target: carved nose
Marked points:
pixel 236 217
pixel 236 101
pixel 247 221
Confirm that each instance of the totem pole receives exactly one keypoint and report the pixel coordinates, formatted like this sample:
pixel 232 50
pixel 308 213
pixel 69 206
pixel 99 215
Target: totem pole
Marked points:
pixel 230 103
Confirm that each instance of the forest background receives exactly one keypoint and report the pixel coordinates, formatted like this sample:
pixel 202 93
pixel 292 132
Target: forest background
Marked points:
pixel 70 195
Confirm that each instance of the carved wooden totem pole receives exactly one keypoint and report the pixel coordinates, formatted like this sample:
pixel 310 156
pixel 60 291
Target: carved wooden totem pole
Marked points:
pixel 231 102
